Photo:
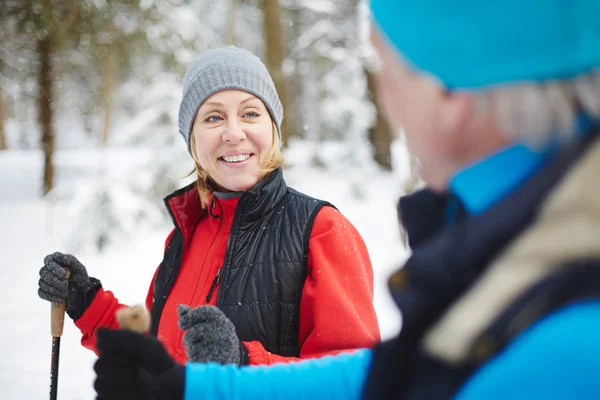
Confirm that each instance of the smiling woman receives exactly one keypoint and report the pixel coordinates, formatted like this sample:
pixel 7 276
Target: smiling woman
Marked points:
pixel 254 272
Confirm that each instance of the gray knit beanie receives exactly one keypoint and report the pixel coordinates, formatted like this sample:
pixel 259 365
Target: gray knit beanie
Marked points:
pixel 226 68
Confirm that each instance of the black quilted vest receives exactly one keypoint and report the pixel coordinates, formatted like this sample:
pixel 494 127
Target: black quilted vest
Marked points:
pixel 265 264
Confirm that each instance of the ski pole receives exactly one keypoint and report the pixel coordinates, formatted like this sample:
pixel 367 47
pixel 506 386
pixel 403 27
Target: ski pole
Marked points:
pixel 57 321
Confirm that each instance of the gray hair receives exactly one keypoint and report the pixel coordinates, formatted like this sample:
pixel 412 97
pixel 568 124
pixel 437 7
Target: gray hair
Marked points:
pixel 538 112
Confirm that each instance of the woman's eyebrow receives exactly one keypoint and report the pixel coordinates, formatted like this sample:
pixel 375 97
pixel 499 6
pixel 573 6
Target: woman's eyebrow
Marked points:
pixel 213 103
pixel 249 99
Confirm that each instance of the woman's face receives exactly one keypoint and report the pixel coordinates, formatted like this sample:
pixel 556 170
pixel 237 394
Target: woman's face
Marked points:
pixel 233 132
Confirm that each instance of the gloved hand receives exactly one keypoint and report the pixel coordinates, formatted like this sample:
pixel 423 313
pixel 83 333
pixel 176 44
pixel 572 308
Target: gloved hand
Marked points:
pixel 79 290
pixel 210 336
pixel 134 366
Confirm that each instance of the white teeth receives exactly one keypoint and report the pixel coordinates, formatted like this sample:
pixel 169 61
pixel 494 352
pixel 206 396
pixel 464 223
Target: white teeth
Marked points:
pixel 236 158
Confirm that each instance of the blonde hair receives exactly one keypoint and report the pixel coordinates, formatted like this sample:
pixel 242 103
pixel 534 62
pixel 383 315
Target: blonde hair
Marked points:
pixel 204 183
pixel 539 112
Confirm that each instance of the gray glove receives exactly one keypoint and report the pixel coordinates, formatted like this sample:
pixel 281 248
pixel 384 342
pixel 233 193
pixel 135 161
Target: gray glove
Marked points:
pixel 210 336
pixel 79 290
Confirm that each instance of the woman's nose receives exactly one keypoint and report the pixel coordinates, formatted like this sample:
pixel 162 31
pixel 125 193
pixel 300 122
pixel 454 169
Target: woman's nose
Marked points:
pixel 233 132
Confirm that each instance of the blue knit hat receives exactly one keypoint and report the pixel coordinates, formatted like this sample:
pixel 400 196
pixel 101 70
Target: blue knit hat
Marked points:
pixel 476 43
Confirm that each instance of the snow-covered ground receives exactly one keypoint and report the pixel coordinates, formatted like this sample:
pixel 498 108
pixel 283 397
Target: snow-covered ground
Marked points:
pixel 31 227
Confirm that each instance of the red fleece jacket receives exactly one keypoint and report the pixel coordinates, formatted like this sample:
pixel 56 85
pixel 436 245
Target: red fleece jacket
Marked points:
pixel 336 308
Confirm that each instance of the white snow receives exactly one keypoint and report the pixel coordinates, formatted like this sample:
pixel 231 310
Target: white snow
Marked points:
pixel 31 227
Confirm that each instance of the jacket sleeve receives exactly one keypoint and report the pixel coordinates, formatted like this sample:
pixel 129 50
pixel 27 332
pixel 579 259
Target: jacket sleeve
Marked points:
pixel 338 377
pixel 336 308
pixel 101 313
pixel 557 358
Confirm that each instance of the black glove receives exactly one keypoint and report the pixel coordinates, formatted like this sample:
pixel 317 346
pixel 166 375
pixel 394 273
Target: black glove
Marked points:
pixel 79 290
pixel 210 336
pixel 134 366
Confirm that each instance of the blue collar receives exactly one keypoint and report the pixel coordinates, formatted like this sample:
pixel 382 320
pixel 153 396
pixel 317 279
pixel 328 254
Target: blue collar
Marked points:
pixel 481 185
pixel 488 181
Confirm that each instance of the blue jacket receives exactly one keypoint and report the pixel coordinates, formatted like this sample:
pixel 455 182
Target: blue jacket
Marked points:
pixel 540 363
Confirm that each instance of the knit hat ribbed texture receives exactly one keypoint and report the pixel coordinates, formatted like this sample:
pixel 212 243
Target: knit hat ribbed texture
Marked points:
pixel 226 68
pixel 470 44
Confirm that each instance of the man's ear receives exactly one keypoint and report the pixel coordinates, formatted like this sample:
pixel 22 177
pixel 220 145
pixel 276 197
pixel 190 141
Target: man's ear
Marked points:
pixel 456 111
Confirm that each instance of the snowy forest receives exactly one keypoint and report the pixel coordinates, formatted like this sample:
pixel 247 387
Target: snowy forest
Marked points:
pixel 105 76
pixel 89 145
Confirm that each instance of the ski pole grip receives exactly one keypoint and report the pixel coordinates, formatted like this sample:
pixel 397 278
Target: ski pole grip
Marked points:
pixel 57 315
pixel 135 318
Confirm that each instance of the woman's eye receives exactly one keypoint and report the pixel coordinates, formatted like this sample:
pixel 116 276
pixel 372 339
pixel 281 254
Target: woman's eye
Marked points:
pixel 252 114
pixel 213 118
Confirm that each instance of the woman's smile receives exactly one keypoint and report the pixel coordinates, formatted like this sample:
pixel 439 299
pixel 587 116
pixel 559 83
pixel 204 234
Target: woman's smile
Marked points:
pixel 236 161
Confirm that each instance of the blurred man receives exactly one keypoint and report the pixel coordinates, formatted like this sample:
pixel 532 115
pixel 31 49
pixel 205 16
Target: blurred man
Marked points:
pixel 500 103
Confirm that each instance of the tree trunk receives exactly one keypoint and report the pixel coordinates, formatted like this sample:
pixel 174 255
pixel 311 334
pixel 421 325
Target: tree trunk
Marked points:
pixel 231 19
pixel 275 55
pixel 3 141
pixel 45 110
pixel 380 134
pixel 295 84
pixel 109 80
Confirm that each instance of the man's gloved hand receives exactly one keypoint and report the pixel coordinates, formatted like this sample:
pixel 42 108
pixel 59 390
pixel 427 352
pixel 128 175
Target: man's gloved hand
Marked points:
pixel 134 366
pixel 210 336
pixel 79 290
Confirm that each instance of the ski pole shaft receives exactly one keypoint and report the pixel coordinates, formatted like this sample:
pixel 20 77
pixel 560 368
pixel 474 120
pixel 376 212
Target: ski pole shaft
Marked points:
pixel 57 321
pixel 54 367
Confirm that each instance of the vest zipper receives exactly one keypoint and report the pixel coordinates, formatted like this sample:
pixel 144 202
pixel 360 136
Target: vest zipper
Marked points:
pixel 214 284
pixel 230 240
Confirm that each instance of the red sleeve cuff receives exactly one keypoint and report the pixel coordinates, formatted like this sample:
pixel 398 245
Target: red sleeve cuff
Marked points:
pixel 100 313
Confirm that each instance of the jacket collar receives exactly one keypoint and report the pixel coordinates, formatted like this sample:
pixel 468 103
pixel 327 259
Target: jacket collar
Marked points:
pixel 262 197
pixel 185 208
pixel 421 214
pixel 485 182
